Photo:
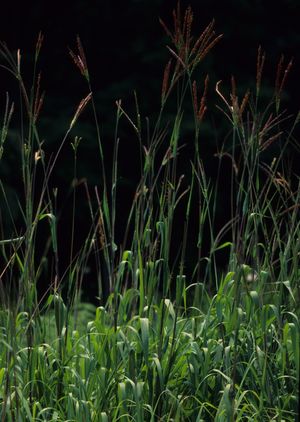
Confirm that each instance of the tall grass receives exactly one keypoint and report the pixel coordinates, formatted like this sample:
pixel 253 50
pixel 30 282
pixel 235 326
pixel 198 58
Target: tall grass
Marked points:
pixel 166 342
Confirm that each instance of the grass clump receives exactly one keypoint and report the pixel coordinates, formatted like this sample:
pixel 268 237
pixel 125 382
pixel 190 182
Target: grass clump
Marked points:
pixel 167 341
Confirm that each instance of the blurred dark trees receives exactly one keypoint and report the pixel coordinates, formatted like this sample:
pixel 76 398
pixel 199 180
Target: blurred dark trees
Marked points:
pixel 125 48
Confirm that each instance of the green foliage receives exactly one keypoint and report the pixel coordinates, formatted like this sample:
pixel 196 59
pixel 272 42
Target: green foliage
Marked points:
pixel 164 343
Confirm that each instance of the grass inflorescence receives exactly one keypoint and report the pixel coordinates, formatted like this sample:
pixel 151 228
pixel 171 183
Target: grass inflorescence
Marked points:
pixel 168 341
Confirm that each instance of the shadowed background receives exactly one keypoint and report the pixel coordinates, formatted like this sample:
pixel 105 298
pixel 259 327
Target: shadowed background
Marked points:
pixel 125 48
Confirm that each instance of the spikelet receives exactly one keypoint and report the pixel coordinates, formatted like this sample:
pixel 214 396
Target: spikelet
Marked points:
pixel 187 54
pixel 83 103
pixel 281 76
pixel 79 59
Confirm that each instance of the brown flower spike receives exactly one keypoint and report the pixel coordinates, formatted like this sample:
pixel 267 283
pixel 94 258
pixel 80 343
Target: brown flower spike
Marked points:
pixel 187 54
pixel 80 60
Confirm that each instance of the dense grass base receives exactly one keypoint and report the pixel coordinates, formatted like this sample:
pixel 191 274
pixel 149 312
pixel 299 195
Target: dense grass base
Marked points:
pixel 234 361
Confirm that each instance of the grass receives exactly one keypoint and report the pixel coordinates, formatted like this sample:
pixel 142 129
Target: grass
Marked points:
pixel 166 342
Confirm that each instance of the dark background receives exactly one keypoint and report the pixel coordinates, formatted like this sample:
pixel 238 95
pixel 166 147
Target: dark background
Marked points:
pixel 125 44
pixel 125 49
